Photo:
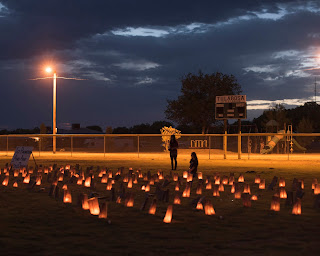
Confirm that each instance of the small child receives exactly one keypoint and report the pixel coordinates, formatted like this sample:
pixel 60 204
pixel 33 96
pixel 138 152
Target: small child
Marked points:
pixel 193 164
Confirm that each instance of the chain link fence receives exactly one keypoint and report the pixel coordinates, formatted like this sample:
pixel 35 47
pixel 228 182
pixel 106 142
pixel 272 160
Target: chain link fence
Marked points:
pixel 207 146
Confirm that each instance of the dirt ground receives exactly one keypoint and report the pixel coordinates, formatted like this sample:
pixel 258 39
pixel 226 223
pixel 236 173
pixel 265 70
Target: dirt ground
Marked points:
pixel 32 223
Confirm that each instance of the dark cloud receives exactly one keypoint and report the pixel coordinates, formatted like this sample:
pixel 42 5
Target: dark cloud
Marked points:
pixel 35 26
pixel 130 77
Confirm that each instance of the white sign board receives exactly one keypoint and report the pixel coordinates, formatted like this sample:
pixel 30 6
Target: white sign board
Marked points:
pixel 231 99
pixel 21 157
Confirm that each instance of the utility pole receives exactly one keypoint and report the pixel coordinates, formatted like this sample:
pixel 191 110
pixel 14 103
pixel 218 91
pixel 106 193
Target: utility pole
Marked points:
pixel 315 90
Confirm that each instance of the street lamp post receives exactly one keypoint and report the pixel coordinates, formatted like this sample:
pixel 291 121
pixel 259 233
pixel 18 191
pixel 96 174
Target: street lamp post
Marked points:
pixel 54 111
pixel 54 131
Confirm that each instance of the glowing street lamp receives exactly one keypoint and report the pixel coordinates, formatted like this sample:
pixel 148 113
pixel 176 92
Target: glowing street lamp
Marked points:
pixel 54 129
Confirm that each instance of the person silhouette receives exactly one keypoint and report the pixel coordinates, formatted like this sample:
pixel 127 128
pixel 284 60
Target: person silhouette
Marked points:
pixel 193 164
pixel 173 148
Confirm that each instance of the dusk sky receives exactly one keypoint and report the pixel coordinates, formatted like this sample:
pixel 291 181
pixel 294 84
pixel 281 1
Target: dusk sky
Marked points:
pixel 133 54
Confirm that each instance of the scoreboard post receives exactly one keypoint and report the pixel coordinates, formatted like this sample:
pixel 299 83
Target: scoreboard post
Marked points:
pixel 231 107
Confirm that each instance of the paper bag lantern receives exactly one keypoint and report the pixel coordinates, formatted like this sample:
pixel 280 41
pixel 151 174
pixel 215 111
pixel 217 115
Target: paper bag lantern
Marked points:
pixel 225 180
pixel 231 180
pixel 15 184
pixel 26 179
pixel 67 198
pixel 246 188
pixel 109 185
pixel 216 190
pixel 94 206
pixel 38 181
pixel 257 179
pixel 190 177
pixel 85 204
pixel 186 192
pixel 130 183
pixel 200 177
pixel 135 179
pixel 103 211
pixel 254 198
pixel 282 193
pixel 262 184
pixel 153 207
pixel 177 199
pixel 316 190
pixel 79 181
pixel 241 178
pixel 129 202
pixel 125 179
pixel 208 208
pixel 282 182
pixel 275 204
pixel 185 174
pixel 5 181
pixel 168 217
pixel 104 178
pixel 177 186
pixel 209 186
pixel 296 210
pixel 233 188
pixel 64 187
pixel 147 188
pixel 175 177
pixel 237 194
pixel 199 206
pixel 302 183
pixel 314 182
pixel 60 178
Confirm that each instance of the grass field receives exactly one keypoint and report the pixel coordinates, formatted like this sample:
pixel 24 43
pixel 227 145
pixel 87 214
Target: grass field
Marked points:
pixel 32 223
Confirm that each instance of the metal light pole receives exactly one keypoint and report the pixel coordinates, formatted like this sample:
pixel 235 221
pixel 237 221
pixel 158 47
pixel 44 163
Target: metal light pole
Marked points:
pixel 54 130
pixel 54 111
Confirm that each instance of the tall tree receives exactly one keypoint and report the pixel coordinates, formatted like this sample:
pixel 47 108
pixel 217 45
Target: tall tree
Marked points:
pixel 196 104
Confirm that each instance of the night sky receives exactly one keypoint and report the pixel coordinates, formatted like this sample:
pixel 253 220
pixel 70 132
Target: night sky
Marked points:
pixel 134 53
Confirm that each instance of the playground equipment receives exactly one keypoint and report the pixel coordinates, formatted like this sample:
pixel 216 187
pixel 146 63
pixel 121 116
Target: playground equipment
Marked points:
pixel 273 142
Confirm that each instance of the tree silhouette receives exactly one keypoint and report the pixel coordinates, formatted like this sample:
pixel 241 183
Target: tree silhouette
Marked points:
pixel 196 104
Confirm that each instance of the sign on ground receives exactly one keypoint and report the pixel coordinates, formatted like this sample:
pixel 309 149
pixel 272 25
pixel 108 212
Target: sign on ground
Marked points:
pixel 21 157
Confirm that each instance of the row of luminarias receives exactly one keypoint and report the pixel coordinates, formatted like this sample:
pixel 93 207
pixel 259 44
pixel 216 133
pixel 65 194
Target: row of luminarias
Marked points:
pixel 93 206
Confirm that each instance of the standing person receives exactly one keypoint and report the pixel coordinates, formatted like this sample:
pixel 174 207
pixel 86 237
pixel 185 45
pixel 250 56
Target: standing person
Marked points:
pixel 173 148
pixel 193 164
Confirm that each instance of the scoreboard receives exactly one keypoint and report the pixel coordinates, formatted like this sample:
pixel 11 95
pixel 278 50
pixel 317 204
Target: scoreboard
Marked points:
pixel 231 107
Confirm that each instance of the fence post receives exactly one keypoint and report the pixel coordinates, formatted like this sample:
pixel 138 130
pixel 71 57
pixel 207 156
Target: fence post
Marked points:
pixel 71 145
pixel 239 145
pixel 104 146
pixel 7 145
pixel 225 145
pixel 209 145
pixel 138 145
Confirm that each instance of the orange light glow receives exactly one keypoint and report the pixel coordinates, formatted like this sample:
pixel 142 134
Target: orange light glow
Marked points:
pixel 153 207
pixel 177 199
pixel 48 69
pixel 168 216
